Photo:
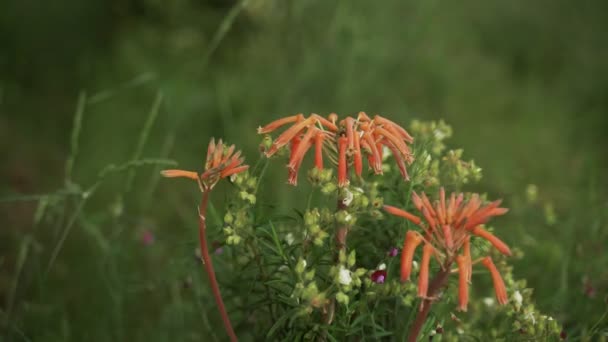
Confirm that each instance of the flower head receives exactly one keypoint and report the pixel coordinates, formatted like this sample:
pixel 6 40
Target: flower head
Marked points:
pixel 447 229
pixel 345 142
pixel 222 161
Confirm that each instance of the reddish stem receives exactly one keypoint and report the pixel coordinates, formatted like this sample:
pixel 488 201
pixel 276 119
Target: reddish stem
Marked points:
pixel 202 227
pixel 436 284
pixel 342 231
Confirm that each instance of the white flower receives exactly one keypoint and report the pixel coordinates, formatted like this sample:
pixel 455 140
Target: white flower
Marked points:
pixel 289 239
pixel 344 276
pixel 382 266
pixel 415 265
pixel 488 301
pixel 530 317
pixel 348 197
pixel 518 299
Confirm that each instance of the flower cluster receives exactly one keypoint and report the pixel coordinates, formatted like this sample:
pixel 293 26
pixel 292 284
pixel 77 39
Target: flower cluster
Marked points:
pixel 448 226
pixel 221 162
pixel 347 280
pixel 345 142
pixel 238 220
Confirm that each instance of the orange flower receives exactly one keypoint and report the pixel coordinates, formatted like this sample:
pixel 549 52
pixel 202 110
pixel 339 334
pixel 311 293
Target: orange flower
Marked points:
pixel 448 226
pixel 412 240
pixel 221 162
pixel 363 135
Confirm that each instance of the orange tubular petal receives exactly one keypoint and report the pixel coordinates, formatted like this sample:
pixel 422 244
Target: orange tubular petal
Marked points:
pixel 423 277
pixel 333 117
pixel 218 153
pixel 377 160
pixel 399 144
pixel 179 173
pixel 428 206
pixel 429 219
pixel 228 153
pixel 303 146
pixel 358 161
pixel 467 255
pixel 406 136
pixel 210 150
pixel 342 167
pixel 398 160
pixel 463 283
pixel 363 117
pixel 280 122
pixel 496 242
pixel 459 199
pixel 326 123
pixel 319 150
pixel 286 136
pixel 451 208
pixel 292 177
pixel 350 123
pixel 294 143
pixel 232 171
pixel 402 213
pixel 482 215
pixel 442 204
pixel 447 236
pixel 412 240
pixel 499 285
pixel 417 201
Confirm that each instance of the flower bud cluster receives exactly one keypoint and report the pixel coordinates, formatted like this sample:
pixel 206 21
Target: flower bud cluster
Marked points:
pixel 237 220
pixel 458 172
pixel 306 290
pixel 314 224
pixel 432 133
pixel 345 279
pixel 322 179
pixel 406 291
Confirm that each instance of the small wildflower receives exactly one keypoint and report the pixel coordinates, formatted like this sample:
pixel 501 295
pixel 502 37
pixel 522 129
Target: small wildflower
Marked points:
pixel 447 227
pixel 344 276
pixel 289 239
pixel 488 301
pixel 393 252
pixel 379 276
pixel 147 238
pixel 517 299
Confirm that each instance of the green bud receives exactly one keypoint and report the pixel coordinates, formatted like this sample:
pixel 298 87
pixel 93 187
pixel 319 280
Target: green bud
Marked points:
pixel 314 229
pixel 342 256
pixel 342 298
pixel 378 202
pixel 328 188
pixel 352 258
pixel 326 175
pixel 300 266
pixel 377 215
pixel 343 217
pixel 228 218
pixel 308 276
pixel 252 183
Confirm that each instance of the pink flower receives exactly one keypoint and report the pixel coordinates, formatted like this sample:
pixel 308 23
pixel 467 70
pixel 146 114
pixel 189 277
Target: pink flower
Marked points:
pixel 147 237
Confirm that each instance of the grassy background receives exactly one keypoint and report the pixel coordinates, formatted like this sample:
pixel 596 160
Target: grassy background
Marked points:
pixel 524 85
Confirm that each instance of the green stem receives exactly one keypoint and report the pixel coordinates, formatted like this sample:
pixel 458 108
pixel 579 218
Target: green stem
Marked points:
pixel 202 227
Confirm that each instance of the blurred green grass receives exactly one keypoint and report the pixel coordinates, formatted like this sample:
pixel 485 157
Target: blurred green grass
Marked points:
pixel 523 84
